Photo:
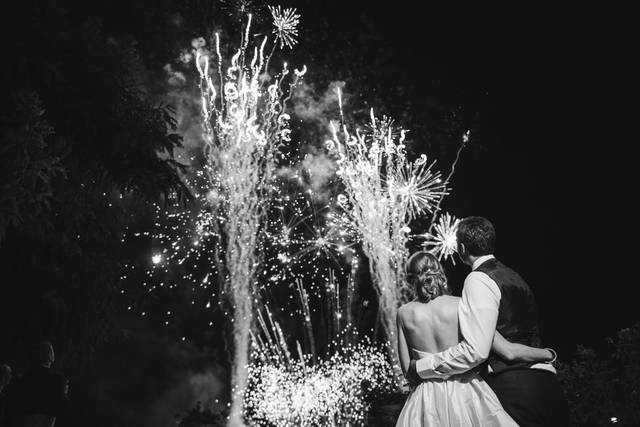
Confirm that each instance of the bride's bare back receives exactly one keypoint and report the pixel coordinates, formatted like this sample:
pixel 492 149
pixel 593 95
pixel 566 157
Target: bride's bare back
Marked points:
pixel 431 327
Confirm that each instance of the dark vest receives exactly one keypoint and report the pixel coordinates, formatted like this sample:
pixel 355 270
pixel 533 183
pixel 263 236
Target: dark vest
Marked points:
pixel 517 316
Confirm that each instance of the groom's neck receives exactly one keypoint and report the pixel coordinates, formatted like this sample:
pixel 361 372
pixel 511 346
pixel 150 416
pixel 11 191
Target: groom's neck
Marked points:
pixel 471 259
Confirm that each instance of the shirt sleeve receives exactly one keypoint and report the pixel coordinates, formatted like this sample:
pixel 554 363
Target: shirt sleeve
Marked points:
pixel 477 316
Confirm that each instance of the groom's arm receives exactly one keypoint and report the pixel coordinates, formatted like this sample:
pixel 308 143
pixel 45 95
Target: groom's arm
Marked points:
pixel 477 316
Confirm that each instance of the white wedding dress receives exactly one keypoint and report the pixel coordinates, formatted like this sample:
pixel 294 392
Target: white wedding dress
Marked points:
pixel 463 400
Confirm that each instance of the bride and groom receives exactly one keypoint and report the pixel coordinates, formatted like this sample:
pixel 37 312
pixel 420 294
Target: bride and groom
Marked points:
pixel 475 360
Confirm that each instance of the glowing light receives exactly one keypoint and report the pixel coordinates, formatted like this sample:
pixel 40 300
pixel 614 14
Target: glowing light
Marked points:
pixel 466 136
pixel 420 187
pixel 255 224
pixel 334 392
pixel 286 25
pixel 384 192
pixel 442 242
pixel 244 130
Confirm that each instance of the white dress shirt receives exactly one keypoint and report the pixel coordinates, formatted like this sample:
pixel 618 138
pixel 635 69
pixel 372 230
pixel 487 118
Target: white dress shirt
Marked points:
pixel 477 317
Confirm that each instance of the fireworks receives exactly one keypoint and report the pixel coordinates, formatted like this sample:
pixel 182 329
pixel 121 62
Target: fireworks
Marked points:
pixel 334 392
pixel 244 128
pixel 384 192
pixel 286 25
pixel 298 388
pixel 442 242
pixel 303 233
pixel 238 9
pixel 255 226
pixel 420 187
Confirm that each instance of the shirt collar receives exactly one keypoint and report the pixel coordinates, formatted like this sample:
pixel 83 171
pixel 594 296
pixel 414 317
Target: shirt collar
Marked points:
pixel 480 260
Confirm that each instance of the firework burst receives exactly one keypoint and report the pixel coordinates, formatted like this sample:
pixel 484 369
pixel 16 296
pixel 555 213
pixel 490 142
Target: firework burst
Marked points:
pixel 239 9
pixel 384 192
pixel 245 128
pixel 420 187
pixel 247 233
pixel 286 23
pixel 442 242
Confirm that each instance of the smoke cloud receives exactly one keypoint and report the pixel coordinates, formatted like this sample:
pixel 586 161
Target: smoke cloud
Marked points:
pixel 317 110
pixel 183 96
pixel 146 381
pixel 319 168
pixel 314 111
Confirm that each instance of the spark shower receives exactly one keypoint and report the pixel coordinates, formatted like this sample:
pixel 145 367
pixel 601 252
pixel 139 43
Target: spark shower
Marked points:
pixel 255 231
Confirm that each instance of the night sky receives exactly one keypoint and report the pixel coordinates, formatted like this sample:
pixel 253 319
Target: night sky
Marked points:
pixel 549 94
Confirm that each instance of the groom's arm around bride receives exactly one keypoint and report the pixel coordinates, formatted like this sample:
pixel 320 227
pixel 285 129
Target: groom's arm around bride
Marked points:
pixel 477 316
pixel 496 298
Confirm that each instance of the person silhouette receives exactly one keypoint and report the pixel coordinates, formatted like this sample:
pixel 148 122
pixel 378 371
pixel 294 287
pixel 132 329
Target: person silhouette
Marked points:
pixel 40 395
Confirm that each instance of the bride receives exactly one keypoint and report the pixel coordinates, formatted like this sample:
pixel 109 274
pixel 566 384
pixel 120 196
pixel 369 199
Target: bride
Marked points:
pixel 429 324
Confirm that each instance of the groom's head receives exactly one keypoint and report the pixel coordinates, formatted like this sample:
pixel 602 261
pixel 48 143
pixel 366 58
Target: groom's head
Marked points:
pixel 43 354
pixel 476 237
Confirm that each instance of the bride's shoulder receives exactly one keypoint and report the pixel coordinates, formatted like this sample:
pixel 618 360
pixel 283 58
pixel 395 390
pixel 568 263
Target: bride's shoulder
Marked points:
pixel 446 301
pixel 450 299
pixel 404 308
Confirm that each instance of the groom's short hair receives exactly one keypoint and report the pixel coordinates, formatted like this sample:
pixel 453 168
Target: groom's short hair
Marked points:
pixel 477 234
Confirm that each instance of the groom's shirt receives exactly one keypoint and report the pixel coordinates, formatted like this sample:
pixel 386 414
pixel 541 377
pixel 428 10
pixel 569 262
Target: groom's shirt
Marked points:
pixel 478 314
pixel 477 317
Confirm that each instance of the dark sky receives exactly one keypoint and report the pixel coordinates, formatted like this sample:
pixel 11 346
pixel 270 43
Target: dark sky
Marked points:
pixel 553 94
pixel 549 94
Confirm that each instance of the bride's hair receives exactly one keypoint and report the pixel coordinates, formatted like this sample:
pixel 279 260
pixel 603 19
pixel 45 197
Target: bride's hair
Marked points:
pixel 426 276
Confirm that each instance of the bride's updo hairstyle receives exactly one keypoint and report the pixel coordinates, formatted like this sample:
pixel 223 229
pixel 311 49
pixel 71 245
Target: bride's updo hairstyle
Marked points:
pixel 426 276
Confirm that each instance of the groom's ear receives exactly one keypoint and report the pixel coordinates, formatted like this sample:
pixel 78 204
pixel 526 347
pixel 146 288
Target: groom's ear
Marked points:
pixel 461 249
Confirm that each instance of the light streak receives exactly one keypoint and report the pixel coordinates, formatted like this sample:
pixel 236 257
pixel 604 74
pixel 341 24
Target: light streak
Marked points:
pixel 383 193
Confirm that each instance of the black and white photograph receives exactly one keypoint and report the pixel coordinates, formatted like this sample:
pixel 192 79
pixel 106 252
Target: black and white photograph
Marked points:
pixel 318 213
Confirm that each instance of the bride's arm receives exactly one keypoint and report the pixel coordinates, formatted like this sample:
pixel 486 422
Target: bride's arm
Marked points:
pixel 403 350
pixel 519 352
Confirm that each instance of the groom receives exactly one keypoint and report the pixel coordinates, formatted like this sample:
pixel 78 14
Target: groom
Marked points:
pixel 497 298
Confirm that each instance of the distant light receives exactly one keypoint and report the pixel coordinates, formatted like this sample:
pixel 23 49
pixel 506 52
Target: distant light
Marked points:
pixel 156 259
pixel 614 420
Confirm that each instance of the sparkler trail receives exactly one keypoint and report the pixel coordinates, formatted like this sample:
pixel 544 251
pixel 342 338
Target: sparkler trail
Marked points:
pixel 245 126
pixel 384 192
pixel 301 231
pixel 256 227
pixel 465 138
pixel 312 389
